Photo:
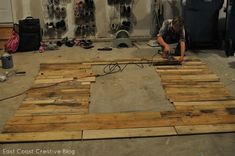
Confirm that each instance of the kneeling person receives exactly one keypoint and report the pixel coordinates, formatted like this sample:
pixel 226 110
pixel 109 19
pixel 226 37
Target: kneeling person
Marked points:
pixel 172 31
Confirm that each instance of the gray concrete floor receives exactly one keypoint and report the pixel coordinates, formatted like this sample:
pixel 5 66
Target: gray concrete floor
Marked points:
pixel 121 85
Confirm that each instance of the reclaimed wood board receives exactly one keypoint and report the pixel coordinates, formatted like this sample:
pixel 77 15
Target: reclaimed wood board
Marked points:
pixel 57 105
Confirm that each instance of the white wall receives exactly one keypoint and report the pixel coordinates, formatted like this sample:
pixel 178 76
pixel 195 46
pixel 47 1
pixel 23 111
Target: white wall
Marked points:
pixel 141 11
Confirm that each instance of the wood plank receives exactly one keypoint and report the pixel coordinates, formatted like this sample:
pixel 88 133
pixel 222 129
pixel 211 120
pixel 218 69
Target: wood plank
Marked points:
pixel 222 102
pixel 79 112
pixel 132 116
pixel 53 106
pixel 48 100
pixel 192 98
pixel 202 77
pixel 127 133
pixel 207 119
pixel 51 111
pixel 187 91
pixel 184 72
pixel 201 129
pixel 46 81
pixel 40 136
pixel 207 85
pixel 191 82
pixel 190 63
pixel 176 67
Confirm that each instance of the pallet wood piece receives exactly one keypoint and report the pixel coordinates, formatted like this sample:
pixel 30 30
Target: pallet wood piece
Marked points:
pixel 202 129
pixel 202 77
pixel 192 98
pixel 184 72
pixel 195 90
pixel 172 67
pixel 127 133
pixel 115 117
pixel 40 136
pixel 225 102
pixel 59 80
pixel 205 106
pixel 185 86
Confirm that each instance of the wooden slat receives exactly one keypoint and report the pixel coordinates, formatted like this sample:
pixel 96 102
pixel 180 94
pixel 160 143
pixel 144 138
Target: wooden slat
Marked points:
pixel 52 111
pixel 192 98
pixel 208 119
pixel 46 81
pixel 40 136
pixel 184 72
pixel 123 133
pixel 185 86
pixel 178 67
pixel 225 102
pixel 110 117
pixel 199 129
pixel 195 91
pixel 202 77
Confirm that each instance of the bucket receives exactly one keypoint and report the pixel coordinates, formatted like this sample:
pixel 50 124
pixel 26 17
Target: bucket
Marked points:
pixel 7 61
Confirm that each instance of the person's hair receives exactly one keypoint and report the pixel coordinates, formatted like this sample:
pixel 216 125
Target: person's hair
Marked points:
pixel 178 21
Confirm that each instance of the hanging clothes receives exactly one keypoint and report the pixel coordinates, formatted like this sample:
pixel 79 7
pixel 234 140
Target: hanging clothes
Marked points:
pixel 156 17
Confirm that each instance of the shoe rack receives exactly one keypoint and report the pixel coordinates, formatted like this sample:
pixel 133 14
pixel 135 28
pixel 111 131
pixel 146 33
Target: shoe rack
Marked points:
pixel 84 12
pixel 55 17
pixel 122 17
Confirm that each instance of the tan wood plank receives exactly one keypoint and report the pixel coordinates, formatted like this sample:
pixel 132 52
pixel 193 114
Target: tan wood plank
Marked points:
pixel 184 72
pixel 40 136
pixel 170 91
pixel 176 67
pixel 207 85
pixel 206 119
pixel 198 129
pixel 80 112
pixel 202 77
pixel 46 81
pixel 123 133
pixel 55 110
pixel 192 63
pixel 223 102
pixel 48 100
pixel 192 98
pixel 53 106
pixel 132 116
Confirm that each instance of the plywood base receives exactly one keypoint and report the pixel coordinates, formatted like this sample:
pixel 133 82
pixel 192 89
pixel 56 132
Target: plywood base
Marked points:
pixel 56 107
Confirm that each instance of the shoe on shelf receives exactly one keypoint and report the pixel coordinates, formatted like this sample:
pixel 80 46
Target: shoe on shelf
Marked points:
pixel 57 2
pixel 63 13
pixel 57 12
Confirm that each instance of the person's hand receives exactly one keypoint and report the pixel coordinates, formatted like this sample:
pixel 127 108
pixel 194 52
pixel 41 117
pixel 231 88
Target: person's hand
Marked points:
pixel 167 49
